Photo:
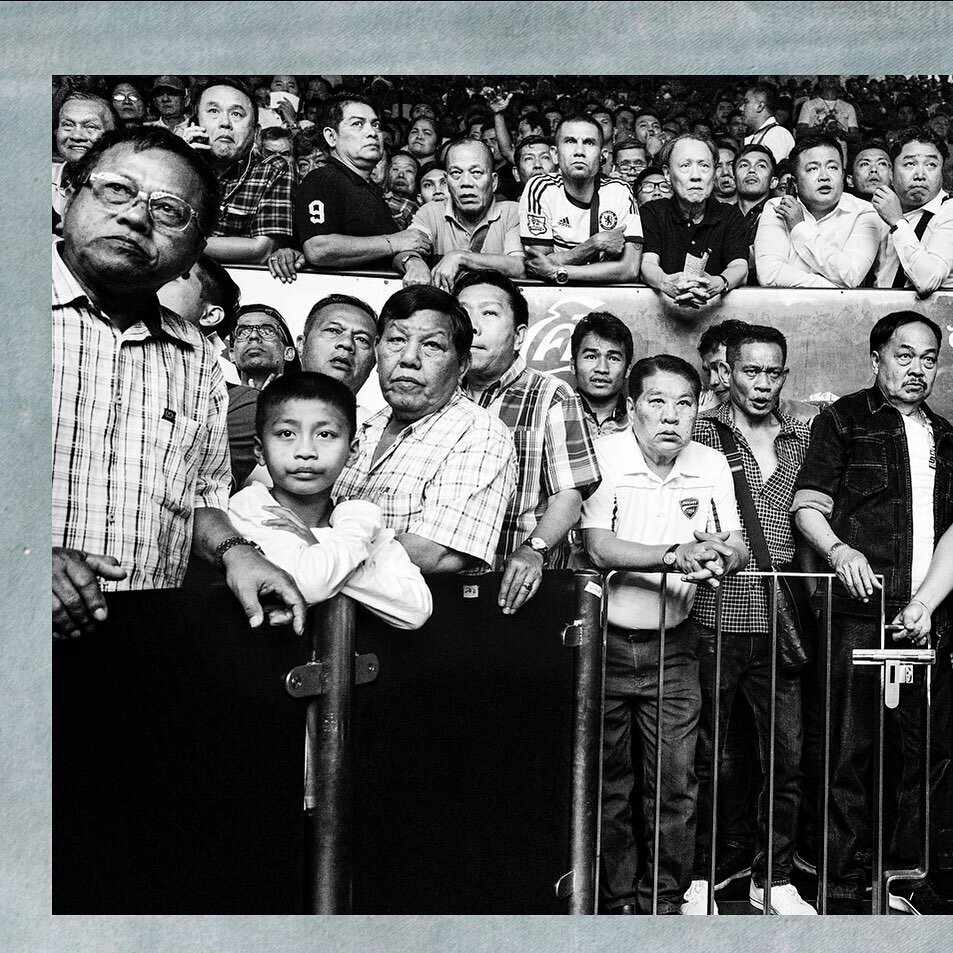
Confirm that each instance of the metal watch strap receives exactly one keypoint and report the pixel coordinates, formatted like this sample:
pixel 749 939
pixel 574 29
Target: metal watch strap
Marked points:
pixel 228 544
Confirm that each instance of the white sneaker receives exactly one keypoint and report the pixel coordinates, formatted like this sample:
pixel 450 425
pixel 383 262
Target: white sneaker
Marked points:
pixel 696 900
pixel 785 901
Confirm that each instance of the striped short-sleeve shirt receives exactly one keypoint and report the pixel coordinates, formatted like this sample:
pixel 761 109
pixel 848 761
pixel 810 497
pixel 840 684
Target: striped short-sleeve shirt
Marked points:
pixel 139 436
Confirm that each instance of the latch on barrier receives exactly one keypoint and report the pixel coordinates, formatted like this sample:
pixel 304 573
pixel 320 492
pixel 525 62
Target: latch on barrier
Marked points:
pixel 898 665
pixel 572 634
pixel 564 885
pixel 310 679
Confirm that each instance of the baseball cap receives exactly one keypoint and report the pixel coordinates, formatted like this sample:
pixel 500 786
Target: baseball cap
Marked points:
pixel 169 82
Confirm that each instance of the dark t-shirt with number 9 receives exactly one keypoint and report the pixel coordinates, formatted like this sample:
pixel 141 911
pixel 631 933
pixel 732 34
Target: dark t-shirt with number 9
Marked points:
pixel 335 200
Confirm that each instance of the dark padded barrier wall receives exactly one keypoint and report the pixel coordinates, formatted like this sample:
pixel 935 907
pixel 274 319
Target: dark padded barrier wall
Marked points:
pixel 177 761
pixel 463 755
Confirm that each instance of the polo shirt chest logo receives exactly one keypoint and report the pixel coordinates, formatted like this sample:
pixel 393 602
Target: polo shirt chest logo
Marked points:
pixel 689 506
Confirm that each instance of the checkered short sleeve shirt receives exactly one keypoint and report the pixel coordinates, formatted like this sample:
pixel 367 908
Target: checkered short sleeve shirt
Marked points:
pixel 257 199
pixel 553 448
pixel 447 477
pixel 139 436
pixel 745 606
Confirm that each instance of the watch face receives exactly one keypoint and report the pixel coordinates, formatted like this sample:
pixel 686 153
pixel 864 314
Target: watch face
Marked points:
pixel 561 277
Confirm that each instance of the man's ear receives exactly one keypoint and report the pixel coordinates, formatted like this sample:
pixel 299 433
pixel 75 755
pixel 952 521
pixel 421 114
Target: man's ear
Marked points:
pixel 496 181
pixel 848 178
pixel 212 317
pixel 299 343
pixel 630 410
pixel 773 183
pixel 289 354
pixel 724 372
pixel 520 337
pixel 516 172
pixel 352 453
pixel 256 447
pixel 464 367
pixel 330 136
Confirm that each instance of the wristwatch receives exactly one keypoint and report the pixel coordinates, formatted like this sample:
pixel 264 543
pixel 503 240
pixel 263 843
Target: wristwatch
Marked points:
pixel 668 557
pixel 561 276
pixel 538 545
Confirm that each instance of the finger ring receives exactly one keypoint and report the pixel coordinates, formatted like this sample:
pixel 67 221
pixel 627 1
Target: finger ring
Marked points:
pixel 527 585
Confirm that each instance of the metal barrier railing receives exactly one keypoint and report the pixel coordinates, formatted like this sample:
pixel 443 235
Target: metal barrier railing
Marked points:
pixel 896 666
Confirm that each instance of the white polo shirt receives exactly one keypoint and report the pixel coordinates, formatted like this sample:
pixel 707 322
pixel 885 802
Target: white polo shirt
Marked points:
pixel 636 504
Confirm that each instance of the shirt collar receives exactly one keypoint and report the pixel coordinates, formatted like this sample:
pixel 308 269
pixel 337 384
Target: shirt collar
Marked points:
pixel 351 174
pixel 492 214
pixel 726 415
pixel 709 217
pixel 619 411
pixel 683 465
pixel 510 375
pixel 162 323
pixel 933 205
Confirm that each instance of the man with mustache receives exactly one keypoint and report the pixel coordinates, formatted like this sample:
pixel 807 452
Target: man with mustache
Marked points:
pixel 256 212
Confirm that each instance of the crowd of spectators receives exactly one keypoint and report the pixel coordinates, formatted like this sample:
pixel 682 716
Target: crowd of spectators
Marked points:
pixel 297 491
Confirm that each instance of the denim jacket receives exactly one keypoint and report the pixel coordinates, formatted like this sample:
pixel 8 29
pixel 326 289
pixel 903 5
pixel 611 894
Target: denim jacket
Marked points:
pixel 857 473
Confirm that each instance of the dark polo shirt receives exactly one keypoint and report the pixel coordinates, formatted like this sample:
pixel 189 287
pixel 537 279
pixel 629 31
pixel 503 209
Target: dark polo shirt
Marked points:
pixel 335 200
pixel 667 233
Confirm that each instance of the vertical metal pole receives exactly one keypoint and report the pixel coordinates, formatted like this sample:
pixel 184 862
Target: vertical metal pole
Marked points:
pixel 825 755
pixel 660 694
pixel 589 680
pixel 772 717
pixel 877 898
pixel 715 751
pixel 330 782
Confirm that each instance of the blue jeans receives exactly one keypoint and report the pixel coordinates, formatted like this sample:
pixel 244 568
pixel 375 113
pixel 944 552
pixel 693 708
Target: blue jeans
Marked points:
pixel 630 706
pixel 746 667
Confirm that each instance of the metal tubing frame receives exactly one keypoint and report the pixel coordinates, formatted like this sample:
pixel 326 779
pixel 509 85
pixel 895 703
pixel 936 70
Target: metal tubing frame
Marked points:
pixel 772 719
pixel 587 726
pixel 715 752
pixel 825 755
pixel 657 803
pixel 330 782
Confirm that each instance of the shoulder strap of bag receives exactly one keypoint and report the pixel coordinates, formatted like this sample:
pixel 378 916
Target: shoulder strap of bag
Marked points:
pixel 749 515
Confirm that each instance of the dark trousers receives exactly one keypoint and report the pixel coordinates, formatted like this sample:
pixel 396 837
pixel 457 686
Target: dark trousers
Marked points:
pixel 854 705
pixel 746 668
pixel 739 779
pixel 631 707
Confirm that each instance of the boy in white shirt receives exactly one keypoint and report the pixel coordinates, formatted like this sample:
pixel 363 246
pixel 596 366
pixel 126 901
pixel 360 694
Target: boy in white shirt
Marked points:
pixel 305 432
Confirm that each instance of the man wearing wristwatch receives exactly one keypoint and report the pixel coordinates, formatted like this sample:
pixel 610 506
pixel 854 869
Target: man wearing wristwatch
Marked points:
pixel 874 496
pixel 579 225
pixel 556 464
pixel 665 504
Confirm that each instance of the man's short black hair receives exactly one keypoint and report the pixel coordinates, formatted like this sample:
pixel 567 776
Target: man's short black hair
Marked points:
pixel 919 134
pixel 885 328
pixel 528 141
pixel 768 93
pixel 662 364
pixel 327 301
pixel 718 335
pixel 729 145
pixel 333 112
pixel 220 289
pixel 518 304
pixel 874 142
pixel 272 133
pixel 234 82
pixel 605 325
pixel 579 117
pixel 755 334
pixel 535 120
pixel 305 385
pixel 142 138
pixel 639 113
pixel 469 141
pixel 813 140
pixel 760 149
pixel 624 144
pixel 407 302
pixel 644 174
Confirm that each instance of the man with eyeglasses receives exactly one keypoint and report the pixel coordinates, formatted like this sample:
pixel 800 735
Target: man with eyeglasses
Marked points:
pixel 128 103
pixel 140 459
pixel 629 158
pixel 650 184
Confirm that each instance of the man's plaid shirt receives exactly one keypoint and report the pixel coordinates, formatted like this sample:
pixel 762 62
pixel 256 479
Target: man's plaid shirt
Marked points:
pixel 139 436
pixel 745 605
pixel 257 198
pixel 553 449
pixel 448 477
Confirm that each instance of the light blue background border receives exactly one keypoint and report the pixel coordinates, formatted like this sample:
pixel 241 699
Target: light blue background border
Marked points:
pixel 584 38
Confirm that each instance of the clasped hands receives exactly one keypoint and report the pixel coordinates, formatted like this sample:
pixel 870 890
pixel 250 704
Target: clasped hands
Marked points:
pixel 706 560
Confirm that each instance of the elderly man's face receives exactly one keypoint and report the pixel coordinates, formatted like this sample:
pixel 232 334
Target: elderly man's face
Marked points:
pixel 402 176
pixel 691 171
pixel 870 170
pixel 228 117
pixel 662 416
pixel 630 162
pixel 737 128
pixel 906 365
pixel 310 162
pixel 433 186
pixel 820 178
pixel 170 103
pixel 417 364
pixel 496 339
pixel 750 111
pixel 80 124
pixel 470 179
pixel 128 102
pixel 122 247
pixel 341 345
pixel 917 174
pixel 277 147
pixel 725 186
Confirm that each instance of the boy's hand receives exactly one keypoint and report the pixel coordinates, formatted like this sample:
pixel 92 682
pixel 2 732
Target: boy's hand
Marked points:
pixel 286 520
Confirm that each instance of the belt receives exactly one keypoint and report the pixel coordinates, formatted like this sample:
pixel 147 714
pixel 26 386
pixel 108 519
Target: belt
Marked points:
pixel 633 635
